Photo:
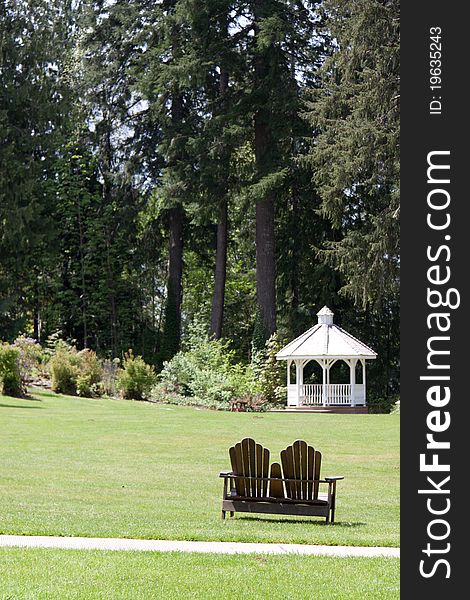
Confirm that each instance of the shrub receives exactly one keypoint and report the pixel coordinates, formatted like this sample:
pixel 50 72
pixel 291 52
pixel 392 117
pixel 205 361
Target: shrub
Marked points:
pixel 31 356
pixel 64 367
pixel 75 372
pixel 269 372
pixel 136 379
pixel 242 381
pixel 204 374
pixel 10 376
pixel 90 372
pixel 381 405
pixel 168 394
pixel 178 373
pixel 109 374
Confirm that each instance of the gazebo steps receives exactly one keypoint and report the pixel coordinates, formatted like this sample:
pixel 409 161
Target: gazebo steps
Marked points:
pixel 339 410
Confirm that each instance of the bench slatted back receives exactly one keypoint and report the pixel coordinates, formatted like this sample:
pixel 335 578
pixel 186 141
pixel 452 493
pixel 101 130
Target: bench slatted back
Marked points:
pixel 301 462
pixel 250 459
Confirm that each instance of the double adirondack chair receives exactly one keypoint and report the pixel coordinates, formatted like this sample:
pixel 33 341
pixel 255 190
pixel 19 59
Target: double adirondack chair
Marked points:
pixel 289 488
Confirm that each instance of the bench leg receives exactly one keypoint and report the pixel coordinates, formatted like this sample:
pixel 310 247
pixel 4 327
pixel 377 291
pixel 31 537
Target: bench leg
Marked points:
pixel 333 503
pixel 224 496
pixel 232 514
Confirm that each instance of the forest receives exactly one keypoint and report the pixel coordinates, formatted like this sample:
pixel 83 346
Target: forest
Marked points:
pixel 220 166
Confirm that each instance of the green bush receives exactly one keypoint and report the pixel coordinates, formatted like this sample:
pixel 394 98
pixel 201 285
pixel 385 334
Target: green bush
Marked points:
pixel 10 376
pixel 136 379
pixel 269 372
pixel 64 368
pixel 167 393
pixel 90 373
pixel 178 373
pixel 204 374
pixel 75 372
pixel 378 405
pixel 31 357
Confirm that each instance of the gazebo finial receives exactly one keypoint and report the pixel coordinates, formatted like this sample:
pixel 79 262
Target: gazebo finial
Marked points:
pixel 325 316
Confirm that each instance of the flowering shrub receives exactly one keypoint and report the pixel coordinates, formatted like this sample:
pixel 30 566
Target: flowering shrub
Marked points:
pixel 30 356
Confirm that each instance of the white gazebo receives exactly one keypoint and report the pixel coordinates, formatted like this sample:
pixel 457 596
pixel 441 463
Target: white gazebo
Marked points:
pixel 326 344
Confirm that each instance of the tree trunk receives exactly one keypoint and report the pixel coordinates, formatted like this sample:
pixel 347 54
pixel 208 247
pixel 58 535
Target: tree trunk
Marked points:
pixel 37 311
pixel 218 299
pixel 220 275
pixel 265 236
pixel 265 264
pixel 294 275
pixel 82 274
pixel 110 285
pixel 172 329
pixel 107 157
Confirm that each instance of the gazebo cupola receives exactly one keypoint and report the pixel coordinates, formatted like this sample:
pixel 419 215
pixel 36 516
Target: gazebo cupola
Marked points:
pixel 326 344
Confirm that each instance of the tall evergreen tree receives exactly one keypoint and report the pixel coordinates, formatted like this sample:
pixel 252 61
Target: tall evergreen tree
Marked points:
pixel 33 106
pixel 282 50
pixel 354 160
pixel 107 50
pixel 166 84
pixel 355 154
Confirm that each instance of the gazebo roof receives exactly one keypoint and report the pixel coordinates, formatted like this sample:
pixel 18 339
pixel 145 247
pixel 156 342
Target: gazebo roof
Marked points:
pixel 325 339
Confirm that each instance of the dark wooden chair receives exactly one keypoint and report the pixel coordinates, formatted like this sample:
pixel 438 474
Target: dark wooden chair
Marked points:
pixel 293 489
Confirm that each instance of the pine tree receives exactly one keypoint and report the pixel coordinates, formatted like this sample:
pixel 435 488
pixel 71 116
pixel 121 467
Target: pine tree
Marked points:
pixel 163 40
pixel 33 106
pixel 355 153
pixel 281 49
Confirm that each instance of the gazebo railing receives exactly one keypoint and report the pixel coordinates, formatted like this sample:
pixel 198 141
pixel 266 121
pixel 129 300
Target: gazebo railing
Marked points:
pixel 311 393
pixel 325 394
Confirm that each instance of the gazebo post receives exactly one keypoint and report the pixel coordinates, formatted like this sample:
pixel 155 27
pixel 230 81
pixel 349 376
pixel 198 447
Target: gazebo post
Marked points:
pixel 325 376
pixel 301 379
pixel 352 380
pixel 298 369
pixel 364 380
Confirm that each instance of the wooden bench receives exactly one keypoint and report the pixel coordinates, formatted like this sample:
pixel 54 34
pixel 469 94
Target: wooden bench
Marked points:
pixel 238 405
pixel 255 486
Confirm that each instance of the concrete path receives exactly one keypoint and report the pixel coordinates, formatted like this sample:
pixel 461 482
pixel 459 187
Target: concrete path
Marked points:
pixel 77 543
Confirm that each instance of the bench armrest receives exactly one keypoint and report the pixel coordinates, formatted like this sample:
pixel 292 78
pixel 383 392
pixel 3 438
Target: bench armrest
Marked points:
pixel 225 473
pixel 334 478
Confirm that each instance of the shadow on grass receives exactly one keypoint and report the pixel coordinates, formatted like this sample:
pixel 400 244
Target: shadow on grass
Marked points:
pixel 302 521
pixel 16 406
pixel 28 396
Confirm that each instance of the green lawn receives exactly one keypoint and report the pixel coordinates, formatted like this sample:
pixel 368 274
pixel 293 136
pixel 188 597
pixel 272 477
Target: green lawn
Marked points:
pixel 115 468
pixel 62 574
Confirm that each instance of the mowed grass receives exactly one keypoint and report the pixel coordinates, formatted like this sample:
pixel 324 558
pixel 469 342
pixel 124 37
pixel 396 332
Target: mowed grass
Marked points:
pixel 69 574
pixel 115 468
